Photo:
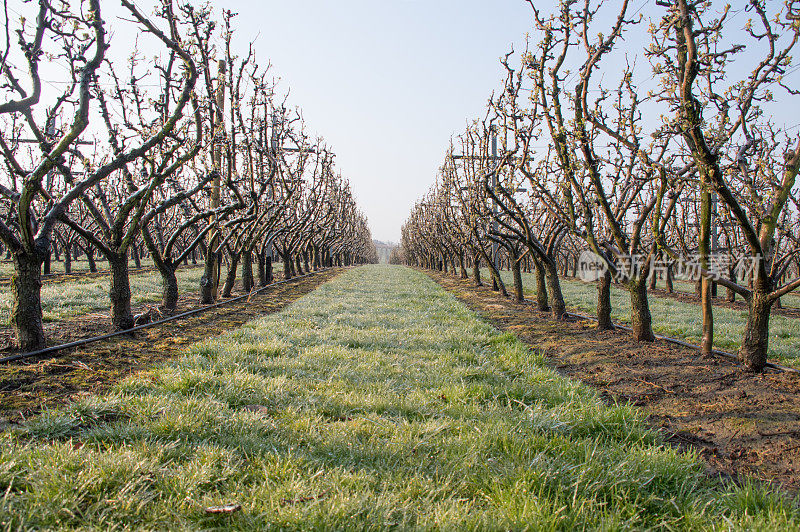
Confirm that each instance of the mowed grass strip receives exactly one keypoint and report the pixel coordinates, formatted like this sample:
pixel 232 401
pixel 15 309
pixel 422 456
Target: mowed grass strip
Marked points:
pixel 377 401
pixel 677 319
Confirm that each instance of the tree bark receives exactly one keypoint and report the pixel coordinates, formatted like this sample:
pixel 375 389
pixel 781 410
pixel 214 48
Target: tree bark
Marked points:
pixel 208 283
pixel 268 269
pixel 604 303
pixel 90 258
pixel 137 261
pixel 641 321
pixel 230 278
pixel 542 301
pixel 557 306
pixel 669 285
pixel 755 342
pixel 519 296
pixel 26 307
pixel 170 294
pixel 68 258
pixel 262 267
pixel 120 292
pixel 476 269
pixel 247 271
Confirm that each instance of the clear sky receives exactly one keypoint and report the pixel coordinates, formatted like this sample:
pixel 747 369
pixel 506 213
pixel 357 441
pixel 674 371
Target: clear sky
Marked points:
pixel 386 82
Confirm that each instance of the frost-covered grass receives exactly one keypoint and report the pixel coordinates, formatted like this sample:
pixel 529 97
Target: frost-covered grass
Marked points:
pixel 791 300
pixel 78 266
pixel 64 300
pixel 377 401
pixel 680 319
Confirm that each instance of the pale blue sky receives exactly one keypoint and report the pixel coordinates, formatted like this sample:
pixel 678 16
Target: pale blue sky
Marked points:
pixel 386 82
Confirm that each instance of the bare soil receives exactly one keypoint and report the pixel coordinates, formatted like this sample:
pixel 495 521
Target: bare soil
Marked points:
pixel 741 424
pixel 29 386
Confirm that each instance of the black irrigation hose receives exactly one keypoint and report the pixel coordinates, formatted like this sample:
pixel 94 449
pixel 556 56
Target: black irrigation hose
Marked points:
pixel 681 343
pixel 85 341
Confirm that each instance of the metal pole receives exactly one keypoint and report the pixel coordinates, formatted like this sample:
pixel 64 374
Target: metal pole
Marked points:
pixel 210 280
pixel 714 237
pixel 495 207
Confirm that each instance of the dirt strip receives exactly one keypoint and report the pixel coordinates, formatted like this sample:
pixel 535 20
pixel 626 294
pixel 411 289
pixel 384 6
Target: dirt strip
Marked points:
pixel 26 387
pixel 739 423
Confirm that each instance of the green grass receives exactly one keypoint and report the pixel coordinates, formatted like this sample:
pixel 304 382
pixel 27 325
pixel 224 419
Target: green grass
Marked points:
pixel 678 318
pixel 78 266
pixel 791 299
pixel 64 300
pixel 382 403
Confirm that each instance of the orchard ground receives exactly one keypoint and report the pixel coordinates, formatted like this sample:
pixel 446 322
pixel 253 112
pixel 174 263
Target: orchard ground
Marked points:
pixel 376 401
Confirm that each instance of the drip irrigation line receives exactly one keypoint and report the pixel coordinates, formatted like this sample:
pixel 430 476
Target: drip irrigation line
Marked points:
pixel 681 343
pixel 192 312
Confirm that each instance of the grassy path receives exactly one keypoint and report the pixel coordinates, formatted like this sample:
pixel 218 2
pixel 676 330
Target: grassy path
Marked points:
pixel 376 401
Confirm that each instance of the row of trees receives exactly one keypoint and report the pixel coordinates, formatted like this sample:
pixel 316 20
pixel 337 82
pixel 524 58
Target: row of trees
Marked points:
pixel 687 161
pixel 185 149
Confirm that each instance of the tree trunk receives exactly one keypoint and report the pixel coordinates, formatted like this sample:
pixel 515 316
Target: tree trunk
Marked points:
pixel 542 302
pixel 497 282
pixel 230 278
pixel 268 269
pixel 557 306
pixel 262 267
pixel 476 269
pixel 288 268
pixel 753 352
pixel 208 282
pixel 120 293
pixel 670 287
pixel 90 258
pixel 247 271
pixel 730 295
pixel 137 260
pixel 604 302
pixel 26 306
pixel 707 312
pixel 299 265
pixel 68 258
pixel 169 299
pixel 519 296
pixel 641 321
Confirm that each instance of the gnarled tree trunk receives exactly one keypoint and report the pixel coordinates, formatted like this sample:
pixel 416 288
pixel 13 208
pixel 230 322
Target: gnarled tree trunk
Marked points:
pixel 641 321
pixel 604 302
pixel 542 302
pixel 169 298
pixel 26 310
pixel 230 278
pixel 755 341
pixel 476 269
pixel 247 271
pixel 557 306
pixel 120 292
